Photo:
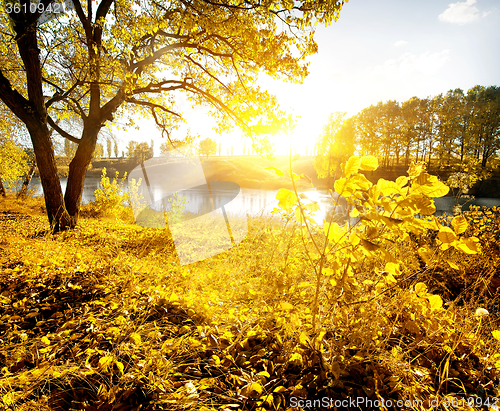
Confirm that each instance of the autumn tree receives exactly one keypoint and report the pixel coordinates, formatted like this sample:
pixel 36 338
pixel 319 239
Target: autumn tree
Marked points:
pixel 207 147
pixel 108 147
pixel 110 57
pixel 178 146
pixel 14 159
pixel 484 103
pixel 335 143
pixel 142 152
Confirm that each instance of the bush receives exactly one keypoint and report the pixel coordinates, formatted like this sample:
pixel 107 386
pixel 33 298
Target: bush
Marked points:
pixel 109 199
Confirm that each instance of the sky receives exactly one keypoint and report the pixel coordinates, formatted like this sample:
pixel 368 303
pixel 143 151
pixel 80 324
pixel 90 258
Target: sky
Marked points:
pixel 376 51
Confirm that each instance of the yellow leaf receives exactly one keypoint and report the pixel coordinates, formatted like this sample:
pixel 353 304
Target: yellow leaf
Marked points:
pixel 468 245
pixel 388 188
pixel 276 170
pixel 45 340
pixel 496 335
pixel 255 389
pixel 105 361
pixel 393 269
pixel 136 338
pixel 402 181
pixel 286 198
pixel 341 187
pixel 446 235
pixel 296 357
pixel 435 301
pixel 453 265
pixel 429 185
pixel 333 231
pixel 120 366
pixel 459 224
pixel 286 306
pixel 420 289
pixel 265 374
pixel 352 166
pixel 424 205
pixel 369 163
pixel 304 339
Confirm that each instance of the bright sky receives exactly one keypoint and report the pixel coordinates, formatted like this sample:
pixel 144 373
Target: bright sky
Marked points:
pixel 377 51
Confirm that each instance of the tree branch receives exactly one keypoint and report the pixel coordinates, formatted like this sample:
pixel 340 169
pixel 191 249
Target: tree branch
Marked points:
pixel 152 106
pixel 14 100
pixel 158 87
pixel 210 74
pixel 63 133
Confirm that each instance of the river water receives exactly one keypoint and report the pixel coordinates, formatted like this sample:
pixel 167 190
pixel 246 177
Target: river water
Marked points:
pixel 257 202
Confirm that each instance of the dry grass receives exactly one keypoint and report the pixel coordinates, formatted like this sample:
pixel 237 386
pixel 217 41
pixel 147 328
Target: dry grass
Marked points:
pixel 103 318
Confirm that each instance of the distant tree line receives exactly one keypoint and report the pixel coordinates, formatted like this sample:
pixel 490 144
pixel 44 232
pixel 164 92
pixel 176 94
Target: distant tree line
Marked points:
pixel 140 152
pixel 454 127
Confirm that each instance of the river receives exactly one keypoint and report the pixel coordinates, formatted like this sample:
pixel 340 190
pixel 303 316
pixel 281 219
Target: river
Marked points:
pixel 257 202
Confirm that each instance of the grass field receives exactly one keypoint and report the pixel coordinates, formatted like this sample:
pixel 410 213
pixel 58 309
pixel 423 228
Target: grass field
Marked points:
pixel 103 317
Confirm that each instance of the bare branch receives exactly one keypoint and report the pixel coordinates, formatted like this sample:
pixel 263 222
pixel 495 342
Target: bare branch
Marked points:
pixel 152 106
pixel 61 131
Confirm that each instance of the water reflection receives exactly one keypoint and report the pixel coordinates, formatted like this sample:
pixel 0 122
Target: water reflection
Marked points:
pixel 254 202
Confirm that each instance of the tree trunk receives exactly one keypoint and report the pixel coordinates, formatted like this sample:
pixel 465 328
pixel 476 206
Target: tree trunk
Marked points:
pixel 2 188
pixel 26 182
pixel 77 170
pixel 45 159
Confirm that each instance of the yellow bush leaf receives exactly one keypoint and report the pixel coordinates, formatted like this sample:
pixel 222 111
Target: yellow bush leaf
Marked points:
pixel 430 186
pixel 402 181
pixel 496 335
pixel 459 224
pixel 45 340
pixel 388 188
pixel 341 187
pixel 468 245
pixel 424 205
pixel 369 163
pixel 276 170
pixel 446 235
pixel 352 166
pixel 286 198
pixel 333 231
pixel 435 301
